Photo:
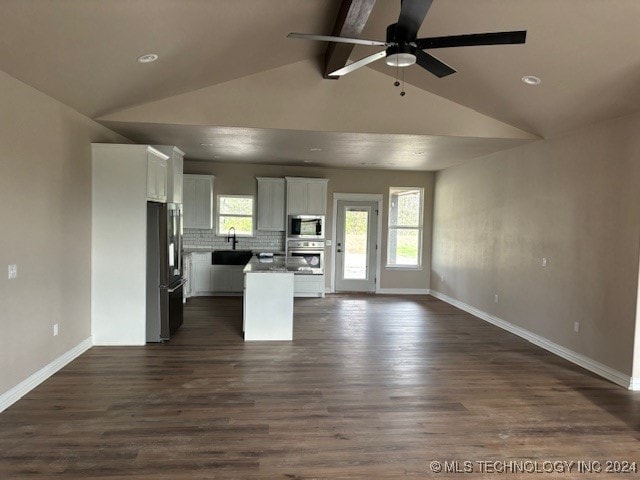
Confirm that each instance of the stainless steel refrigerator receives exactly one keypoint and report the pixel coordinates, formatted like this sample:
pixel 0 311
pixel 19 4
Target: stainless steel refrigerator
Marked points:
pixel 164 270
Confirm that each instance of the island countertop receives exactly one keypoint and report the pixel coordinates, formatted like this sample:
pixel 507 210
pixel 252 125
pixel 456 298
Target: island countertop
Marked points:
pixel 278 264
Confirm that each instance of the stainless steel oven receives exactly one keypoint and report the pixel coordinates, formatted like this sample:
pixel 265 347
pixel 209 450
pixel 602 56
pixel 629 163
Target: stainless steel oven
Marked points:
pixel 311 250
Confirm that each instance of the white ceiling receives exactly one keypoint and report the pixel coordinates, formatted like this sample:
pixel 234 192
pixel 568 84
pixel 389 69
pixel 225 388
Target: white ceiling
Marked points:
pixel 227 75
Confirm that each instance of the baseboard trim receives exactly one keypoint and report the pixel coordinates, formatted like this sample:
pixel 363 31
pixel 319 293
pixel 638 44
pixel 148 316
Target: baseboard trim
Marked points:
pixel 542 342
pixel 16 393
pixel 403 291
pixel 634 384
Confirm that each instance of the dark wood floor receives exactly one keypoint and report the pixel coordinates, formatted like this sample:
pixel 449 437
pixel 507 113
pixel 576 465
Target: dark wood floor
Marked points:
pixel 371 387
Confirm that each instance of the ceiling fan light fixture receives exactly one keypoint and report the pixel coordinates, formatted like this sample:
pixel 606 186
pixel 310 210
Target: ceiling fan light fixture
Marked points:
pixel 400 59
pixel 400 56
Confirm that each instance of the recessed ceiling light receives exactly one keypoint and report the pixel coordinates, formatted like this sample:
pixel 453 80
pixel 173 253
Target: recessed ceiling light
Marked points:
pixel 531 80
pixel 308 161
pixel 315 149
pixel 147 58
pixel 206 144
pixel 368 164
pixel 418 153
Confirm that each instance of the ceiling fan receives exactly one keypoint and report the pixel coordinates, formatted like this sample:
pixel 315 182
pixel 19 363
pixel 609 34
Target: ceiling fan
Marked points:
pixel 404 49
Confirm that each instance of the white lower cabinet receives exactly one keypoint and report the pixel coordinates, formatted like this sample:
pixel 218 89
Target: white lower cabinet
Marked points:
pixel 200 273
pixel 308 286
pixel 227 278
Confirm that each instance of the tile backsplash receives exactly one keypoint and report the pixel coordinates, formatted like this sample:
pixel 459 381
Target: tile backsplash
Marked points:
pixel 202 238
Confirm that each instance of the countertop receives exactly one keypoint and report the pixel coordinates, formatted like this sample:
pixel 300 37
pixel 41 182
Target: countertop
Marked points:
pixel 187 250
pixel 278 264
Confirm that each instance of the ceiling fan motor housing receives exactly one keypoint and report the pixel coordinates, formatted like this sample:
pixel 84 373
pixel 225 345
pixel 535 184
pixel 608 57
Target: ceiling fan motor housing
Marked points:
pixel 400 53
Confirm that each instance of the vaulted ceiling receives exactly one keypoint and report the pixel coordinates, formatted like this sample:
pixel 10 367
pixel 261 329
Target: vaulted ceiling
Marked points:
pixel 229 85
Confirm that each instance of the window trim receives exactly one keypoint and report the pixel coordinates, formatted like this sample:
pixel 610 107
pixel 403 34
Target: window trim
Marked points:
pixel 419 228
pixel 253 215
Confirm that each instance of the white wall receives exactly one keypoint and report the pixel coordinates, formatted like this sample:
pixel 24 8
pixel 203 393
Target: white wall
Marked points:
pixel 574 200
pixel 45 208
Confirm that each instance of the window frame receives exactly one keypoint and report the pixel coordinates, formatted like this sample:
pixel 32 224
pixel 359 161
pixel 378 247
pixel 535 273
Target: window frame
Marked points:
pixel 253 215
pixel 419 228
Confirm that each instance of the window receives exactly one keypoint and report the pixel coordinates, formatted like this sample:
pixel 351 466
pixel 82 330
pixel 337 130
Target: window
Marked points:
pixel 235 211
pixel 404 242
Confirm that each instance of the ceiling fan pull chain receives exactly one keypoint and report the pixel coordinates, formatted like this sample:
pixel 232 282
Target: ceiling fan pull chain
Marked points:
pixel 402 93
pixel 397 83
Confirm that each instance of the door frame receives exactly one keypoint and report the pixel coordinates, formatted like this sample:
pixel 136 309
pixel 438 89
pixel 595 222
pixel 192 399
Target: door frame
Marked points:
pixel 356 197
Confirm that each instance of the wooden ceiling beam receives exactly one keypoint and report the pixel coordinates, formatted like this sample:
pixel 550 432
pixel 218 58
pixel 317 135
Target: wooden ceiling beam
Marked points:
pixel 351 19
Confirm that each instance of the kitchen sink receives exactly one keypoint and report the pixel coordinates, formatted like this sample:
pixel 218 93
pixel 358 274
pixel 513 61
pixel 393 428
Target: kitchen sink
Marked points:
pixel 231 257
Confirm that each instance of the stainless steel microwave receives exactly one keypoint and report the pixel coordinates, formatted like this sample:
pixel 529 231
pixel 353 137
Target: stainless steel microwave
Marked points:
pixel 305 226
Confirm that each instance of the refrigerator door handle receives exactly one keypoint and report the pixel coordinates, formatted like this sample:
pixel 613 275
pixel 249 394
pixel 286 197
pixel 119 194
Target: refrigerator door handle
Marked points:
pixel 180 285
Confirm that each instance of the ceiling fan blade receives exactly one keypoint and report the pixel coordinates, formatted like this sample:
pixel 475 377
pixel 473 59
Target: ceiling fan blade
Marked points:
pixel 360 63
pixel 432 64
pixel 328 38
pixel 412 13
pixel 496 38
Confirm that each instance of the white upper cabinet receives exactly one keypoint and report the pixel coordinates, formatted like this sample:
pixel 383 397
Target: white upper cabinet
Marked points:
pixel 198 201
pixel 306 196
pixel 156 177
pixel 175 165
pixel 271 204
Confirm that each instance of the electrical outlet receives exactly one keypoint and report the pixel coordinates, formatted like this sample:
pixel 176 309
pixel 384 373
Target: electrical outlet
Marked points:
pixel 55 329
pixel 13 271
pixel 496 298
pixel 544 262
pixel 576 327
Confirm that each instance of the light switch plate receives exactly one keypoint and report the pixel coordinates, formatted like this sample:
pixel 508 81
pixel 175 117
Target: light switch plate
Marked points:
pixel 13 271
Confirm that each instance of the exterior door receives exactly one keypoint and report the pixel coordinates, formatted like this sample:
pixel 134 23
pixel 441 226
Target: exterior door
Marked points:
pixel 356 233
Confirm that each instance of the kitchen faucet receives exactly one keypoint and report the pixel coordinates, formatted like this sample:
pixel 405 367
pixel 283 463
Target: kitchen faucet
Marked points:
pixel 229 237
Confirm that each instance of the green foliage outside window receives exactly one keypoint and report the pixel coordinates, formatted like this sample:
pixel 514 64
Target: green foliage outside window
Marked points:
pixel 404 242
pixel 235 211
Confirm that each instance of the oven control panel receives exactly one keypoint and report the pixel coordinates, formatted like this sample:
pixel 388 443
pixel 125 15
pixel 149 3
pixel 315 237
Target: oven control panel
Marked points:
pixel 305 244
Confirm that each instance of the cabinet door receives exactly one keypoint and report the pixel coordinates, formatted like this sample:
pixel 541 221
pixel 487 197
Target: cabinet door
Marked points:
pixel 152 177
pixel 220 278
pixel 277 206
pixel 201 273
pixel 161 179
pixel 236 280
pixel 296 198
pixel 198 201
pixel 264 205
pixel 177 165
pixel 271 204
pixel 316 198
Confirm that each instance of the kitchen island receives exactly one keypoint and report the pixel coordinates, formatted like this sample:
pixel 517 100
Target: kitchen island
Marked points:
pixel 268 297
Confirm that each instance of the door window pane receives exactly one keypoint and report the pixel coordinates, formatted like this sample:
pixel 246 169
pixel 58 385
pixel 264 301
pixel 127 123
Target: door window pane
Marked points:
pixel 356 226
